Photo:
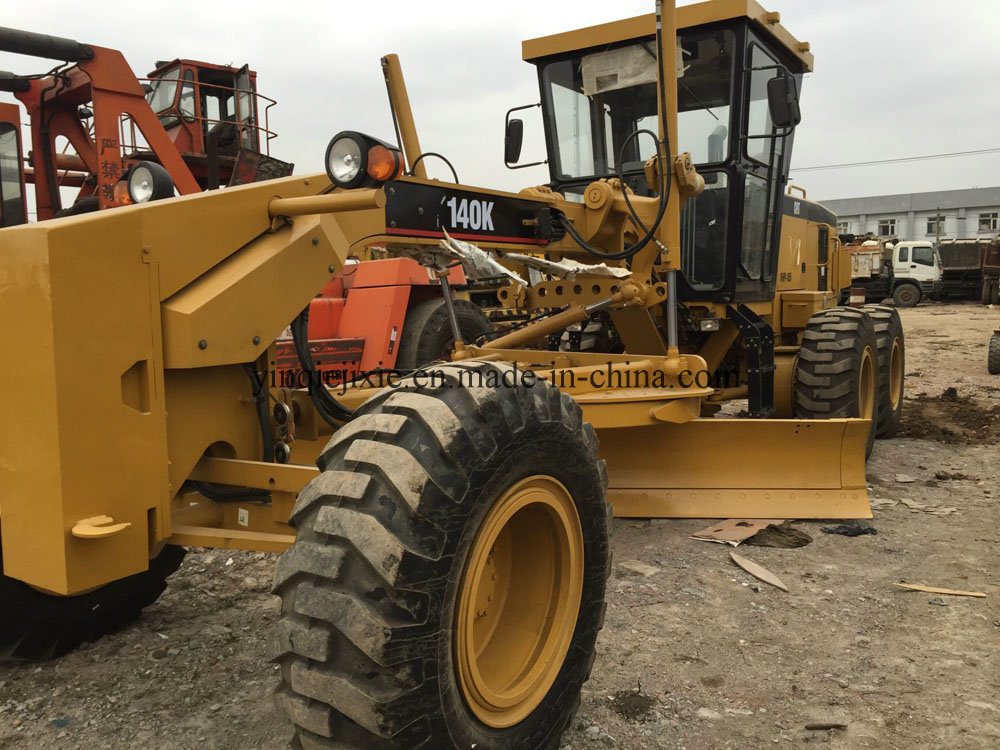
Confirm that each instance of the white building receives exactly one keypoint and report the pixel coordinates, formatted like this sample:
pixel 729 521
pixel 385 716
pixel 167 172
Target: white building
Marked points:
pixel 944 214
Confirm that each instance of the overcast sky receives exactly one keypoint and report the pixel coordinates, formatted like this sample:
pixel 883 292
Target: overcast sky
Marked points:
pixel 894 78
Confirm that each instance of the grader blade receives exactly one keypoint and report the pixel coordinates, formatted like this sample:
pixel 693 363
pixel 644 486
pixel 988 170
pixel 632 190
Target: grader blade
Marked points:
pixel 738 468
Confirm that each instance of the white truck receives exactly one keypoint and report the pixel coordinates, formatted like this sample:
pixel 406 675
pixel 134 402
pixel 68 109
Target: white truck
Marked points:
pixel 907 271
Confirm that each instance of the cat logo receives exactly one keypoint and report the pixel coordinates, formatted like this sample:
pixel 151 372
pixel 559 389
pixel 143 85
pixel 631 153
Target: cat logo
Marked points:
pixel 471 214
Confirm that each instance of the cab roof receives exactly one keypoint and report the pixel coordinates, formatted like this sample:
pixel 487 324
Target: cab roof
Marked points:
pixel 687 16
pixel 164 65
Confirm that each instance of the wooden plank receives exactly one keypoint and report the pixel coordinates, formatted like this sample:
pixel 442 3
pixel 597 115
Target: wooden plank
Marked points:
pixel 758 571
pixel 938 590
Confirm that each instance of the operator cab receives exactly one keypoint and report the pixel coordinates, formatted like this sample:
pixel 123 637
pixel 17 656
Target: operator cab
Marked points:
pixel 190 98
pixel 216 118
pixel 595 96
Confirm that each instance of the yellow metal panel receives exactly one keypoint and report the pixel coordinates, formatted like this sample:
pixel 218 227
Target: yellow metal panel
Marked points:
pixel 712 503
pixel 250 296
pixel 191 234
pixel 209 406
pixel 85 445
pixel 798 307
pixel 740 468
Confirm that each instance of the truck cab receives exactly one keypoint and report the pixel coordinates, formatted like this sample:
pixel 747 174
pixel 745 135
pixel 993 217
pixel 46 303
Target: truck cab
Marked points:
pixel 917 263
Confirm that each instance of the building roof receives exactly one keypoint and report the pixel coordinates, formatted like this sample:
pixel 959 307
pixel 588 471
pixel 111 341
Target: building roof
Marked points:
pixel 904 202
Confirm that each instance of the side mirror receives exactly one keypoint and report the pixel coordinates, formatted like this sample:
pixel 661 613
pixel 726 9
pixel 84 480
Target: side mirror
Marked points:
pixel 513 136
pixel 783 102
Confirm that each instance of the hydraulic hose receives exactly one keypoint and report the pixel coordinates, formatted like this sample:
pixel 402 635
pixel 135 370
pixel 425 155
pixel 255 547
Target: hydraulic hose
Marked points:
pixel 332 411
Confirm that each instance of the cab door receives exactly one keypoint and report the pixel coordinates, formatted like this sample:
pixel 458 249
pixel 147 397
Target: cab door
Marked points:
pixel 13 210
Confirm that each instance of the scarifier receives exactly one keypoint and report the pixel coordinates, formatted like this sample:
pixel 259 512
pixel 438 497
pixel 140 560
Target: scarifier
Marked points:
pixel 444 537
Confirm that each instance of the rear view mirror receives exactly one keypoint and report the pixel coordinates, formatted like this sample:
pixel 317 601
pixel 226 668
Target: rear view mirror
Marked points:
pixel 513 136
pixel 783 102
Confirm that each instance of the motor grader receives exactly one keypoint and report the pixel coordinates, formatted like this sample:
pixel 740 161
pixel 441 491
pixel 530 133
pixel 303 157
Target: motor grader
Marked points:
pixel 444 531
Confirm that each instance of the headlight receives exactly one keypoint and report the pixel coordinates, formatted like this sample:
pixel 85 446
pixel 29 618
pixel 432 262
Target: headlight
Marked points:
pixel 343 160
pixel 149 181
pixel 356 160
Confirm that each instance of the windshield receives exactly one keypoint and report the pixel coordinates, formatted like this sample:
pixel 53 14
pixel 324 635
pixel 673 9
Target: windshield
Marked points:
pixel 163 89
pixel 923 255
pixel 596 100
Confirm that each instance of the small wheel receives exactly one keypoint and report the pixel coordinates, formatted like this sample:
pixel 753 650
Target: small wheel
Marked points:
pixel 891 363
pixel 836 375
pixel 993 358
pixel 446 584
pixel 427 336
pixel 35 625
pixel 987 292
pixel 906 295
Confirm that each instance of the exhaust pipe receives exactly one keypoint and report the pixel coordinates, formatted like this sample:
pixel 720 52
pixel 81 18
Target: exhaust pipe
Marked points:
pixel 43 45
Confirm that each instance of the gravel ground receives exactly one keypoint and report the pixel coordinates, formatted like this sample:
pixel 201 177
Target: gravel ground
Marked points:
pixel 694 655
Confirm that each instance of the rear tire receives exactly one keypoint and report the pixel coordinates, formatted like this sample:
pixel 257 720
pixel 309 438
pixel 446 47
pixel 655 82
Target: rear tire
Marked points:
pixel 374 594
pixel 891 365
pixel 906 295
pixel 836 376
pixel 35 625
pixel 427 336
pixel 987 291
pixel 995 294
pixel 993 358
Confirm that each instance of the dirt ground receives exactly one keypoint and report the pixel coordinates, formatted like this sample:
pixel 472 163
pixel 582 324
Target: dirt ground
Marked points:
pixel 694 655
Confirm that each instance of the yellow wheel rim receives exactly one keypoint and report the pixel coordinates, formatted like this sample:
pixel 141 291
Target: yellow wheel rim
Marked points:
pixel 518 601
pixel 866 385
pixel 895 374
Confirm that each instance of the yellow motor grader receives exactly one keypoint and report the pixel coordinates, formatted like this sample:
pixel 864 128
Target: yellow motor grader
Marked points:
pixel 444 531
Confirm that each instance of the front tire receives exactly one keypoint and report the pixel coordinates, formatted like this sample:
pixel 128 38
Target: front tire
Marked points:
pixel 906 295
pixel 35 625
pixel 891 366
pixel 446 585
pixel 836 375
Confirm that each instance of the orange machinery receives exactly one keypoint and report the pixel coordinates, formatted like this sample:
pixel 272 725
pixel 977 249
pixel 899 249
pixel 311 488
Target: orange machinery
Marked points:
pixel 92 119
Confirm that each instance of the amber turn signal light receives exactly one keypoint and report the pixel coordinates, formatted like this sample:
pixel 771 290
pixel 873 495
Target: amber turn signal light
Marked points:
pixel 384 163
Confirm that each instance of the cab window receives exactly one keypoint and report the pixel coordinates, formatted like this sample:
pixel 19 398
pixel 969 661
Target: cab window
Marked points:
pixel 923 256
pixel 163 91
pixel 594 101
pixel 187 96
pixel 904 255
pixel 12 206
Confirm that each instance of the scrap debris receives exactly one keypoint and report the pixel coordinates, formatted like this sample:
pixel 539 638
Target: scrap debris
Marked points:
pixel 780 536
pixel 939 590
pixel 821 727
pixel 848 529
pixel 758 571
pixel 754 532
pixel 734 531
